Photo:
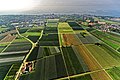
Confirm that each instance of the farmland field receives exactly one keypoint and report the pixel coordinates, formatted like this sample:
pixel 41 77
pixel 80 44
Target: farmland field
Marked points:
pixel 13 51
pixel 109 39
pixel 49 40
pixel 64 28
pixel 114 73
pixel 74 65
pixel 88 58
pixel 19 44
pixel 2 29
pixel 48 68
pixel 12 72
pixel 8 32
pixel 75 26
pixel 35 29
pixel 100 75
pixel 50 30
pixel 8 38
pixel 87 38
pixel 18 47
pixel 70 39
pixel 93 64
pixel 48 51
pixel 52 20
pixel 3 71
pixel 52 23
pixel 112 52
pixel 23 30
pixel 31 34
pixel 33 38
pixel 33 55
pixel 1 37
pixel 59 51
pixel 2 46
pixel 100 54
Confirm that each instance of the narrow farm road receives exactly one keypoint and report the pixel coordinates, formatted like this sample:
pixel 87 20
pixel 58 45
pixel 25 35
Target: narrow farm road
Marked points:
pixel 33 46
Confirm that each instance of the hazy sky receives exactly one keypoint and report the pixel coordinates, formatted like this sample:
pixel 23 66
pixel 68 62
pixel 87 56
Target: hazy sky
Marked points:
pixel 60 6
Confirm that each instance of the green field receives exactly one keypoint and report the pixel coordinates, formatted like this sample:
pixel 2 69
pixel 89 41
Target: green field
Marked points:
pixel 22 30
pixel 52 22
pixel 48 68
pixel 31 34
pixel 19 44
pixel 51 30
pixel 114 73
pixel 112 52
pixel 109 39
pixel 2 46
pixel 35 29
pixel 74 65
pixel 49 40
pixel 75 26
pixel 100 54
pixel 86 38
pixel 48 51
pixel 64 28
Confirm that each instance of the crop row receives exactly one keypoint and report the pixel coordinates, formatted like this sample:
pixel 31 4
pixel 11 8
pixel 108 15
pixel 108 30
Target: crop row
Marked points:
pixel 52 20
pixel 33 55
pixel 2 46
pixel 114 73
pixel 23 30
pixel 33 38
pixel 74 65
pixel 11 74
pixel 49 30
pixel 75 26
pixel 64 28
pixel 8 38
pixel 70 39
pixel 107 38
pixel 111 52
pixel 49 39
pixel 3 71
pixel 47 69
pixel 35 29
pixel 47 51
pixel 102 56
pixel 87 39
pixel 52 24
pixel 18 48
